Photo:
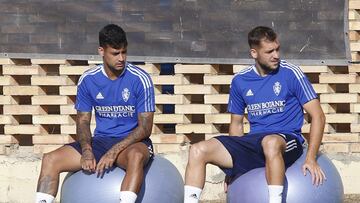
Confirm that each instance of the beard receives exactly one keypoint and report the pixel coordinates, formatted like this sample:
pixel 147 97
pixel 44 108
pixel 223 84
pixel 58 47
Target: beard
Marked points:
pixel 267 68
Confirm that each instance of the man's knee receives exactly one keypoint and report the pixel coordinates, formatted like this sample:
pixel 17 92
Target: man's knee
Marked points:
pixel 49 160
pixel 198 151
pixel 273 145
pixel 136 156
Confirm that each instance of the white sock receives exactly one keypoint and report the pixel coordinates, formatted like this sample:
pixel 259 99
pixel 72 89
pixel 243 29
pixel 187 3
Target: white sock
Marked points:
pixel 127 197
pixel 275 193
pixel 44 198
pixel 191 194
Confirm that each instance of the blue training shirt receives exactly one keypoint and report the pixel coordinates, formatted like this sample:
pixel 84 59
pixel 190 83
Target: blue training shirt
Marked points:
pixel 274 102
pixel 116 103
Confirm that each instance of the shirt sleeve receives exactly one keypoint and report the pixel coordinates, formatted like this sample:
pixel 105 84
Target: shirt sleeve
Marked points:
pixel 236 104
pixel 301 87
pixel 145 95
pixel 83 98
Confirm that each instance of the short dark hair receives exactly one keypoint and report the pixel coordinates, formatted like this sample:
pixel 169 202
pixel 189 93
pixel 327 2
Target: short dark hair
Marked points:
pixel 260 33
pixel 112 35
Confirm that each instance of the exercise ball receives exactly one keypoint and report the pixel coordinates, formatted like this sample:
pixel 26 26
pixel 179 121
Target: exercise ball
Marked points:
pixel 162 183
pixel 251 187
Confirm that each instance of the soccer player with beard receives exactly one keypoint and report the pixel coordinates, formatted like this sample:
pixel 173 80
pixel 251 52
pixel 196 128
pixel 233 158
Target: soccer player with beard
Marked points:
pixel 274 92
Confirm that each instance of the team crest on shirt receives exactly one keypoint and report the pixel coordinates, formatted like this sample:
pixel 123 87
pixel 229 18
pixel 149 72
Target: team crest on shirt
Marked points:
pixel 277 88
pixel 126 94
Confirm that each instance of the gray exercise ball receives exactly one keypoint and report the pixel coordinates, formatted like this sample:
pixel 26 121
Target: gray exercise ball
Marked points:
pixel 162 183
pixel 251 187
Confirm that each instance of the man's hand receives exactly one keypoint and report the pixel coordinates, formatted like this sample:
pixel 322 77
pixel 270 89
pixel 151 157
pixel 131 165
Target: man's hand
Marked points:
pixel 88 162
pixel 317 174
pixel 106 162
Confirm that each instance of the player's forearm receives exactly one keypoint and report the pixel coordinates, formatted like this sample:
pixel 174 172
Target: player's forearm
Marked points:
pixel 135 136
pixel 142 131
pixel 84 136
pixel 83 130
pixel 316 135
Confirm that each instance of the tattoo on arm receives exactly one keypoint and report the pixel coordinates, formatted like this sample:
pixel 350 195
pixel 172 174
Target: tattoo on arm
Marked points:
pixel 142 131
pixel 83 130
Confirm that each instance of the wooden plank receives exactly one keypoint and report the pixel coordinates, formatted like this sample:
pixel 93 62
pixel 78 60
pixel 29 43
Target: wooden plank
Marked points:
pixel 218 79
pixel 196 128
pixel 7 100
pixel 196 69
pixel 23 70
pixel 167 148
pixel 354 68
pixel 341 137
pixel 50 100
pixel 355 108
pixel 7 80
pixel 238 68
pixel 221 118
pixel 8 139
pixel 354 4
pixel 67 110
pixel 195 109
pixel 336 148
pixel 353 15
pixel 150 68
pixel 171 99
pixel 169 80
pixel 355 127
pixel 168 138
pixel 23 90
pixel 5 61
pixel 355 147
pixel 23 110
pixel 339 78
pixel 322 88
pixel 24 129
pixel 355 46
pixel 70 110
pixel 52 119
pixel 354 88
pixel 354 25
pixel 342 118
pixel 48 61
pixel 51 80
pixel 73 70
pixel 95 62
pixel 327 128
pixel 7 119
pixel 52 139
pixel 218 118
pixel 170 118
pixel 327 108
pixel 355 56
pixel 216 99
pixel 339 98
pixel 71 129
pixel 41 149
pixel 68 90
pixel 315 69
pixel 195 89
pixel 354 35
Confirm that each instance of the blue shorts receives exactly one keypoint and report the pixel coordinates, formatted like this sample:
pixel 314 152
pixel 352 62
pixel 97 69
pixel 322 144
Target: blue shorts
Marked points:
pixel 247 153
pixel 100 145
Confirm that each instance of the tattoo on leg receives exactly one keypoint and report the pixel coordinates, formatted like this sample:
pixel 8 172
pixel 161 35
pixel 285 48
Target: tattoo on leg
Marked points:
pixel 47 185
